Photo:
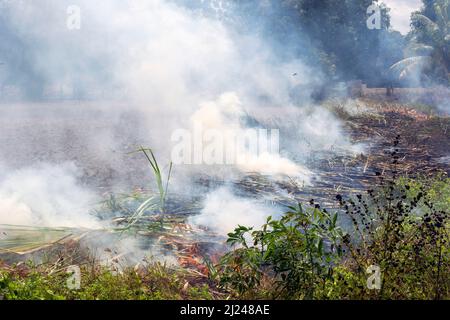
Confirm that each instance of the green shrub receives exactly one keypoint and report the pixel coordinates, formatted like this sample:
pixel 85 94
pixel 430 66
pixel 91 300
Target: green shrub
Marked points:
pixel 403 227
pixel 153 282
pixel 298 251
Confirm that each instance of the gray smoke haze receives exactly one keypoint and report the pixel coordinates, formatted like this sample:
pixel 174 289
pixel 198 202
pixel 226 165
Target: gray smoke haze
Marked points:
pixel 160 62
pixel 44 195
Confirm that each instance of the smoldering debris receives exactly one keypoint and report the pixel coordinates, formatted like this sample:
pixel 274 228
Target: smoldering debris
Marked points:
pixel 46 195
pixel 172 242
pixel 134 74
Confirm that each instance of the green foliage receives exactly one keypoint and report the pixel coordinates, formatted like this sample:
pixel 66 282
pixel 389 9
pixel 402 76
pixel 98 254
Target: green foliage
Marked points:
pixel 402 226
pixel 325 33
pixel 153 204
pixel 428 53
pixel 153 282
pixel 298 250
pixel 163 189
pixel 341 28
pixel 32 287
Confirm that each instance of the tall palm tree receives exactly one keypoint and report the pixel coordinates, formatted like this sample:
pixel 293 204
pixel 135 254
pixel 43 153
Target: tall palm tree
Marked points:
pixel 428 54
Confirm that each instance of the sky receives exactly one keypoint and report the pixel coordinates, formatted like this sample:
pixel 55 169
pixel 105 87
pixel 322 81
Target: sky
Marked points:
pixel 401 12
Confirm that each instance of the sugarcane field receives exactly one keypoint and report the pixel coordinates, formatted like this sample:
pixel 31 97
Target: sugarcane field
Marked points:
pixel 225 150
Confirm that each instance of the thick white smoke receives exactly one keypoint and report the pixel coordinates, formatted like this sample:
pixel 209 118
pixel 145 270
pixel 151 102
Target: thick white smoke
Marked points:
pixel 223 211
pixel 46 195
pixel 225 116
pixel 167 62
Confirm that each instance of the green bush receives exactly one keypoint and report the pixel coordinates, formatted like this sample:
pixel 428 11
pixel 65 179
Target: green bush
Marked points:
pixel 402 227
pixel 298 251
pixel 153 282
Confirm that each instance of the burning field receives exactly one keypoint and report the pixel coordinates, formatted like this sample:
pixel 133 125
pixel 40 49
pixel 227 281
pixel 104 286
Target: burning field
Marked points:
pixel 177 149
pixel 188 230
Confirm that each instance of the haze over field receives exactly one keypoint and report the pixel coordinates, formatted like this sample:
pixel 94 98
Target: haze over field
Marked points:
pixel 175 65
pixel 133 74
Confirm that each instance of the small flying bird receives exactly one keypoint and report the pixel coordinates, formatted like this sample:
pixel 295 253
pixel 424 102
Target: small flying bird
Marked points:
pixel 294 74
